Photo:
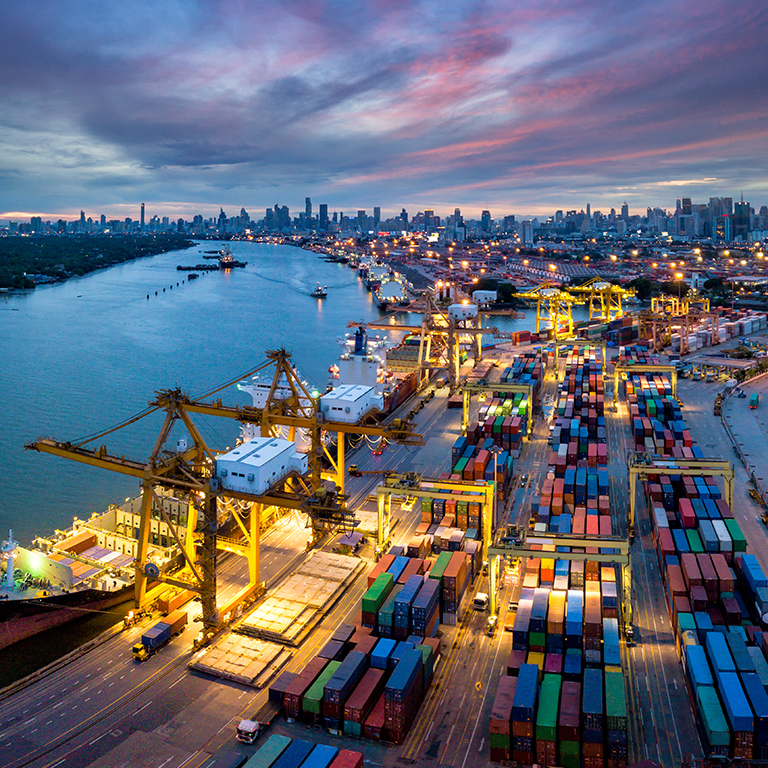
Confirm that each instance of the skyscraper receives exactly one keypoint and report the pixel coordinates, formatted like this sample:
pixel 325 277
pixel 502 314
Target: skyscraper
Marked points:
pixel 308 210
pixel 625 211
pixel 323 217
pixel 485 221
pixel 141 226
pixel 376 217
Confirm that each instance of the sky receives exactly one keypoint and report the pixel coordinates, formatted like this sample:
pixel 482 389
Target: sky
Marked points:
pixel 519 106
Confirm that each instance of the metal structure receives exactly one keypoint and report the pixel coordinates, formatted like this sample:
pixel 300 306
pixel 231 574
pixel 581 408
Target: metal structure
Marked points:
pixel 642 465
pixel 619 554
pixel 677 305
pixel 440 339
pixel 553 305
pixel 190 472
pixel 625 368
pixel 603 296
pixel 468 389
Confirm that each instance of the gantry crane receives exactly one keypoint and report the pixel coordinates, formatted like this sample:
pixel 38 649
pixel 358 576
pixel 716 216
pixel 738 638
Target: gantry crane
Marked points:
pixel 553 305
pixel 440 339
pixel 191 471
pixel 606 296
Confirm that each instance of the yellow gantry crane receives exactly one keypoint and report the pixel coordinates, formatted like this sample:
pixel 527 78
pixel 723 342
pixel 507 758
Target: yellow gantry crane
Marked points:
pixel 190 471
pixel 553 306
pixel 604 298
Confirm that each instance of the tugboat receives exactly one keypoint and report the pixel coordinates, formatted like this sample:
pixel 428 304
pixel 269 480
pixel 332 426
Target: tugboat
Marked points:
pixel 319 292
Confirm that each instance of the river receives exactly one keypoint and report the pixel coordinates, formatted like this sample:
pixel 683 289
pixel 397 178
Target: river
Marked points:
pixel 79 357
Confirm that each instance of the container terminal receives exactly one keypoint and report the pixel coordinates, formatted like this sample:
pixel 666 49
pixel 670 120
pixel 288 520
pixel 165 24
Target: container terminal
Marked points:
pixel 545 555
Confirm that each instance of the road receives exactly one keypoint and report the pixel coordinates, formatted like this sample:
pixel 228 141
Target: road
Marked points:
pixel 103 709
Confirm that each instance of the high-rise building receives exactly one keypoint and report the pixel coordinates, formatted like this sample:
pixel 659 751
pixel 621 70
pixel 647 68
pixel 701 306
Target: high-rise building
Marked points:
pixel 141 226
pixel 485 221
pixel 404 216
pixel 625 211
pixel 308 211
pixel 361 219
pixel 376 217
pixel 742 219
pixel 323 217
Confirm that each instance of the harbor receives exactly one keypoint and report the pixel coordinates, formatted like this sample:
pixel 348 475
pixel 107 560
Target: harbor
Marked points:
pixel 501 602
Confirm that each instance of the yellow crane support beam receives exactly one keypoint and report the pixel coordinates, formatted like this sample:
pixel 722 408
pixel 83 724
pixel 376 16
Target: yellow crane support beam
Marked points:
pixel 641 466
pixel 629 368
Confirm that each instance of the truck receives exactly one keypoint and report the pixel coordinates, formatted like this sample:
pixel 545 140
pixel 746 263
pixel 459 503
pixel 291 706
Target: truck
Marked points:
pixel 159 634
pixel 754 400
pixel 249 729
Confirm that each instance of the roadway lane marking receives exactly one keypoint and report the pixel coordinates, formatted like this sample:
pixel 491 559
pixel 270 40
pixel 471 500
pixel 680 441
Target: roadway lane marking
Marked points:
pixel 177 682
pixel 164 762
pixel 140 708
pixel 97 738
pixel 226 724
pixel 59 763
pixel 88 699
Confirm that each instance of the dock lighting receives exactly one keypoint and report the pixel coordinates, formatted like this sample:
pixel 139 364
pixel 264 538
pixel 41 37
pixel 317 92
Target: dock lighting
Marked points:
pixel 465 264
pixel 552 267
pixel 466 301
pixel 697 250
pixel 634 253
pixel 525 262
pixel 654 265
pixel 743 262
pixel 730 261
pixel 699 258
pixel 671 264
pixel 679 275
pixel 586 258
pixel 613 257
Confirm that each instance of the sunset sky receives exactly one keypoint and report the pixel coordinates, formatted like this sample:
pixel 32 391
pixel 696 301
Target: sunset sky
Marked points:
pixel 521 107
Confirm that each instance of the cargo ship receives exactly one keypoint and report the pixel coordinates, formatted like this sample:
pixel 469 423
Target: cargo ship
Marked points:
pixel 391 292
pixel 89 567
pixel 364 361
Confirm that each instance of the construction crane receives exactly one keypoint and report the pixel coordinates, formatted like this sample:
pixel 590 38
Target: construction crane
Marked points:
pixel 191 471
pixel 553 306
pixel 604 298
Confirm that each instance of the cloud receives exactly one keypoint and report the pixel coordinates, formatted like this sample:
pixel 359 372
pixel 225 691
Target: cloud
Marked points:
pixel 379 103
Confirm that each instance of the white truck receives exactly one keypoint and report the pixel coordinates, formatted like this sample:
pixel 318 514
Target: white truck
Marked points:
pixel 248 730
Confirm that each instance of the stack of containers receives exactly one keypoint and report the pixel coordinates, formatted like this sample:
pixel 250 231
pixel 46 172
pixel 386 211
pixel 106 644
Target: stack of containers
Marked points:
pixel 501 720
pixel 296 689
pixel 403 694
pixel 425 609
pixel 454 584
pixel 523 713
pixel 338 687
pixel 374 598
pixel 362 699
pixel 402 607
pixel 715 590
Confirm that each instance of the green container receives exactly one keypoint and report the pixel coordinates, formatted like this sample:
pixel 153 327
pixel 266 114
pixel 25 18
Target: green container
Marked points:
pixel 615 699
pixel 497 425
pixel 499 741
pixel 313 698
pixel 570 754
pixel 738 538
pixel 549 699
pixel 438 569
pixel 353 729
pixel 387 610
pixel 537 639
pixel 426 505
pixel 269 751
pixel 377 592
pixel 694 541
pixel 712 717
pixel 685 621
pixel 460 464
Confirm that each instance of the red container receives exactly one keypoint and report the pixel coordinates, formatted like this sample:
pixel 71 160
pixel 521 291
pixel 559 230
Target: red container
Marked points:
pixel 347 759
pixel 373 727
pixel 364 696
pixel 300 685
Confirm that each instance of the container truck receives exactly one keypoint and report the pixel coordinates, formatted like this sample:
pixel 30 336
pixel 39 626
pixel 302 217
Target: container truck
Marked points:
pixel 754 400
pixel 248 730
pixel 159 634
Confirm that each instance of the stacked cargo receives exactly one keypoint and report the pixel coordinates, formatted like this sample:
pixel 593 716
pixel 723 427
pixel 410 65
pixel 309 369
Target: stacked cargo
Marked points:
pixel 296 689
pixel 338 687
pixel 567 708
pixel 454 587
pixel 716 592
pixel 403 694
pixel 374 598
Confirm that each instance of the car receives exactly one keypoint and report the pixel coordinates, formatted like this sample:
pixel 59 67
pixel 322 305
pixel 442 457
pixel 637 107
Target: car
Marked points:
pixel 742 393
pixel 524 480
pixel 490 625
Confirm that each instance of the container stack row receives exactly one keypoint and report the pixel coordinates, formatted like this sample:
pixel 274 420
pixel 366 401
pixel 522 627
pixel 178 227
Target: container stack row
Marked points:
pixel 716 592
pixel 283 752
pixel 363 685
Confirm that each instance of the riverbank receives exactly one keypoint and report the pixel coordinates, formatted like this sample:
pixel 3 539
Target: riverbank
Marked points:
pixel 26 262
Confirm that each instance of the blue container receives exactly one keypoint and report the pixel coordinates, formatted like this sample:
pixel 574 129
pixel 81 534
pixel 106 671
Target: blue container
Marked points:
pixel 526 693
pixel 381 653
pixel 295 755
pixel 741 657
pixel 401 680
pixel 320 757
pixel 398 652
pixel 718 653
pixel 735 703
pixel 397 567
pixel 758 700
pixel 345 678
pixel 407 595
pixel 697 666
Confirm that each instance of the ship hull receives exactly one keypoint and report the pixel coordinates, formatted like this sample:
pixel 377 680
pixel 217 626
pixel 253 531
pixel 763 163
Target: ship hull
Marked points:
pixel 21 619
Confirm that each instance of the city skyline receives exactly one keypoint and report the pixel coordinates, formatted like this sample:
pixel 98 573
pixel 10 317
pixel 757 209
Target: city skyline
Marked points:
pixel 515 108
